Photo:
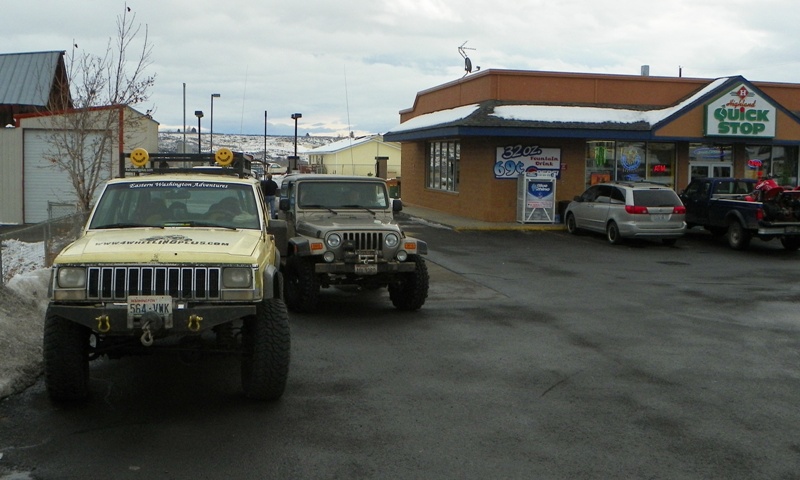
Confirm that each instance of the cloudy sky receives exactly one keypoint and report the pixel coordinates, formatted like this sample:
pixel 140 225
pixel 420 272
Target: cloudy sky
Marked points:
pixel 354 65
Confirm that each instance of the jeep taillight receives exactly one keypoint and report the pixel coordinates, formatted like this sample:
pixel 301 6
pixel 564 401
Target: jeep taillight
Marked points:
pixel 760 214
pixel 680 210
pixel 636 210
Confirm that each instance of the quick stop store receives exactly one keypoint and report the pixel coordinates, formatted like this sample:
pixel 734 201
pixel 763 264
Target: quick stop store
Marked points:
pixel 499 144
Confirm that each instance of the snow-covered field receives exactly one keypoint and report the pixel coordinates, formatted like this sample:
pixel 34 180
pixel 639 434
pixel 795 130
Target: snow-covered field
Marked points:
pixel 23 300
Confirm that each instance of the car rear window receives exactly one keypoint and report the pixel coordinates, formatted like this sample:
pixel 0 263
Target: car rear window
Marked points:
pixel 655 198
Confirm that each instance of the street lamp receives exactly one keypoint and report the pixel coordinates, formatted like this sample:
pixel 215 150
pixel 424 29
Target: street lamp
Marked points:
pixel 295 116
pixel 199 115
pixel 211 145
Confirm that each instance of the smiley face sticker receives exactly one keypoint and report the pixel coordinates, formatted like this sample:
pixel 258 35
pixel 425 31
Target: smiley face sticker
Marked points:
pixel 139 157
pixel 224 157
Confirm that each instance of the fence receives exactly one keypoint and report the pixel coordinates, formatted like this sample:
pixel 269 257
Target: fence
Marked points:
pixel 64 225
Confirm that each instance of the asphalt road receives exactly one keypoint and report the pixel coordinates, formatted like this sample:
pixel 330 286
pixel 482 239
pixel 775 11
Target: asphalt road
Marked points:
pixel 537 355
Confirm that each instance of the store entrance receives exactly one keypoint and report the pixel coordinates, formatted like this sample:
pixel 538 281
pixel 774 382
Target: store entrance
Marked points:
pixel 706 169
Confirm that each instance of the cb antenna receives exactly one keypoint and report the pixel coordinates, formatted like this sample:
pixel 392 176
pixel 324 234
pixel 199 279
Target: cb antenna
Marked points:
pixel 467 61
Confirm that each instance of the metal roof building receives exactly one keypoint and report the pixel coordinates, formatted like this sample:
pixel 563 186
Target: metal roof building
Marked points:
pixel 31 82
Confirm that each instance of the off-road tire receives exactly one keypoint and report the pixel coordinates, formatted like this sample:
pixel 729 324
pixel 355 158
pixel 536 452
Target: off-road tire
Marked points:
pixel 790 243
pixel 612 233
pixel 572 226
pixel 301 285
pixel 738 237
pixel 66 359
pixel 266 343
pixel 410 289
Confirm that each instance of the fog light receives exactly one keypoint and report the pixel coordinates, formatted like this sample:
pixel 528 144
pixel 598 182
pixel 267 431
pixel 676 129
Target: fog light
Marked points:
pixel 402 255
pixel 328 256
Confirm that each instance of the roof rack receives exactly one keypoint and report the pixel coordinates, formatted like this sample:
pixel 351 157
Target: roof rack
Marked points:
pixel 223 162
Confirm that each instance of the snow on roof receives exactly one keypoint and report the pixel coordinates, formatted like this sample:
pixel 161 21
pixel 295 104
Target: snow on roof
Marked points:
pixel 341 144
pixel 557 113
pixel 436 118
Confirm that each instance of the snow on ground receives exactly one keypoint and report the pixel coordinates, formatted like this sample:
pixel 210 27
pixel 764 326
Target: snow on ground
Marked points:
pixel 23 301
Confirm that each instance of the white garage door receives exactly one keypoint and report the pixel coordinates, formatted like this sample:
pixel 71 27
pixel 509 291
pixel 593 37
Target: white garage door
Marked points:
pixel 43 182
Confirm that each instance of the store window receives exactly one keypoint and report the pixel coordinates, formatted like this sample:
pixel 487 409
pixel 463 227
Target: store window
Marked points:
pixel 779 163
pixel 442 166
pixel 600 162
pixel 630 161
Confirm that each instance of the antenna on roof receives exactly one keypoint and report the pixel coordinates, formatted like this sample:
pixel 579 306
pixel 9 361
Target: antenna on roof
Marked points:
pixel 467 61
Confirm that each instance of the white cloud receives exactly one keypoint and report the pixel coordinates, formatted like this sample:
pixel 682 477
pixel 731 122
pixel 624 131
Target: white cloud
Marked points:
pixel 287 57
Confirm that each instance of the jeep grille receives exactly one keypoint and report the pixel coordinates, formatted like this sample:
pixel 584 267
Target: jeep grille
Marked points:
pixel 364 240
pixel 116 283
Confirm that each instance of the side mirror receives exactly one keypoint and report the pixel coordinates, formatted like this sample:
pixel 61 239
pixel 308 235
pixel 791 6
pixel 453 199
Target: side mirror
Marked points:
pixel 397 205
pixel 283 204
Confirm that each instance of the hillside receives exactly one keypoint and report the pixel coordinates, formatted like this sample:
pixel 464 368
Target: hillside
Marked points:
pixel 277 147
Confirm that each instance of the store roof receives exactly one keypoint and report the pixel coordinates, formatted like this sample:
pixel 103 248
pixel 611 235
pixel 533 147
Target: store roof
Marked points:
pixel 498 118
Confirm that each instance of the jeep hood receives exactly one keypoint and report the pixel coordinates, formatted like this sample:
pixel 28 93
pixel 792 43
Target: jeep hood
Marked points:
pixel 156 245
pixel 309 223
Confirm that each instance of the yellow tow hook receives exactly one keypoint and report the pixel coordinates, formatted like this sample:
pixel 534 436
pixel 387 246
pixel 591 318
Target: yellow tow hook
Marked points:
pixel 194 323
pixel 103 323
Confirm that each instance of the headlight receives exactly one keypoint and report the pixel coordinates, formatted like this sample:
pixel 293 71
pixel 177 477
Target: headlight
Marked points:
pixel 72 277
pixel 237 278
pixel 391 240
pixel 333 240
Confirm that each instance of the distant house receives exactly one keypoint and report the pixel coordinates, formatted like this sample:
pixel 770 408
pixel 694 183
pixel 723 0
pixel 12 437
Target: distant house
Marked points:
pixel 356 156
pixel 34 102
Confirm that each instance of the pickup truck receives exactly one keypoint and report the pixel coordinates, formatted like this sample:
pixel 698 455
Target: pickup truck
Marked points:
pixel 744 209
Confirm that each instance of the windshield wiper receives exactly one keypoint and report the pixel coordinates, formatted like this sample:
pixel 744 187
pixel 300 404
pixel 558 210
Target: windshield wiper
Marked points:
pixel 194 223
pixel 358 206
pixel 128 225
pixel 321 207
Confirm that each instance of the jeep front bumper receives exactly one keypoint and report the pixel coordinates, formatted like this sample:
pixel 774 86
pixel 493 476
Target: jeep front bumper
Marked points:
pixel 113 318
pixel 364 268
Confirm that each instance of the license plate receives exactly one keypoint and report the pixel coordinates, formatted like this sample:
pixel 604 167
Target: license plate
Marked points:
pixel 138 305
pixel 659 217
pixel 366 269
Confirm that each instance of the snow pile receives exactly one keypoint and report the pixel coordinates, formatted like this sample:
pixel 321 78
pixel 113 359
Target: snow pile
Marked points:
pixel 23 301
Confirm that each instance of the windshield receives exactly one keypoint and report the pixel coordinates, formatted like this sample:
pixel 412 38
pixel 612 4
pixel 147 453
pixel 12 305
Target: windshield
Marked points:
pixel 338 194
pixel 176 203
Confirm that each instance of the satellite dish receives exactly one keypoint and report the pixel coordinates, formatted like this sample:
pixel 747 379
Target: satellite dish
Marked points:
pixel 467 61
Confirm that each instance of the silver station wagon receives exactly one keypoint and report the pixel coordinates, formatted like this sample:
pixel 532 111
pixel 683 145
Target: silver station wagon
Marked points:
pixel 628 210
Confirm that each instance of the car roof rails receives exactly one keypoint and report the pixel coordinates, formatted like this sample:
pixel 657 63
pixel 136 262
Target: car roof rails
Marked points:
pixel 223 162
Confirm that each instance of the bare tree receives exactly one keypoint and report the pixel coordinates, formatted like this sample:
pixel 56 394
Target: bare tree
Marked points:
pixel 90 124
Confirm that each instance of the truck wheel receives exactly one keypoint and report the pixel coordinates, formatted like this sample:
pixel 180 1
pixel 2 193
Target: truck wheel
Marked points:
pixel 266 345
pixel 572 226
pixel 612 233
pixel 301 286
pixel 66 359
pixel 411 288
pixel 790 243
pixel 738 237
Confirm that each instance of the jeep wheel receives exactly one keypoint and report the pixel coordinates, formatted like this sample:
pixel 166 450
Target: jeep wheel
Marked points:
pixel 738 237
pixel 266 345
pixel 411 289
pixel 66 359
pixel 301 286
